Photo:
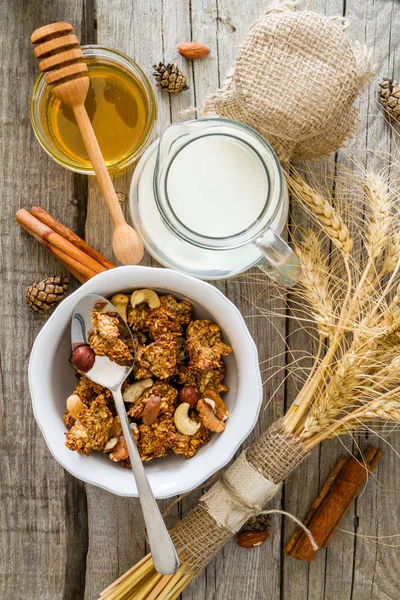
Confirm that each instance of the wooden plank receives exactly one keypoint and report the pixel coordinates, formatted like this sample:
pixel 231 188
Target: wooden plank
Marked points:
pixel 299 579
pixel 376 511
pixel 180 26
pixel 334 574
pixel 43 539
pixel 116 524
pixel 246 573
pixel 175 28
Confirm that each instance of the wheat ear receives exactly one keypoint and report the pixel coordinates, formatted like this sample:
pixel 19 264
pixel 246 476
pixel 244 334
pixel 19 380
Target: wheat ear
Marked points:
pixel 315 282
pixel 380 217
pixel 331 221
pixel 337 392
pixel 392 253
pixel 377 410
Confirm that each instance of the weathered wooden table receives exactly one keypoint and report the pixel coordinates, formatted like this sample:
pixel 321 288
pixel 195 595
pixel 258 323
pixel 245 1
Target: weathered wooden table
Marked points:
pixel 61 539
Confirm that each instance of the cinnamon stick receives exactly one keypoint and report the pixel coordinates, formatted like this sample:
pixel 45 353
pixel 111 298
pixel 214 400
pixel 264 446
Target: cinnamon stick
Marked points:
pixel 316 504
pixel 78 270
pixel 43 216
pixel 371 458
pixel 25 219
pixel 327 512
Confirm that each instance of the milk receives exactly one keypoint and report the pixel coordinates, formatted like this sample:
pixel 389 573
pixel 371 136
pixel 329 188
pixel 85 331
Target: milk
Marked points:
pixel 210 197
pixel 217 186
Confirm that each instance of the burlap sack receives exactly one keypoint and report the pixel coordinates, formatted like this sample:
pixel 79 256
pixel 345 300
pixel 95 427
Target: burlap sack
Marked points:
pixel 295 80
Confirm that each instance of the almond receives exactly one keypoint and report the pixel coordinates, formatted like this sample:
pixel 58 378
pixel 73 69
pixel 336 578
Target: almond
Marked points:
pixel 251 539
pixel 192 50
pixel 151 410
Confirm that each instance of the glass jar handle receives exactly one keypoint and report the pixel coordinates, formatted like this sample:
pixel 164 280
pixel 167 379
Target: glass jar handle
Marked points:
pixel 281 264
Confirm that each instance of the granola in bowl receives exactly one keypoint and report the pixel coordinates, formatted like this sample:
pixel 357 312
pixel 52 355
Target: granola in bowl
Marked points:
pixel 173 396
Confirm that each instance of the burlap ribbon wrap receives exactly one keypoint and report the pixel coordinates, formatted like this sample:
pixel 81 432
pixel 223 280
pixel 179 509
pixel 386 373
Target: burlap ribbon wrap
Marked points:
pixel 241 492
pixel 295 80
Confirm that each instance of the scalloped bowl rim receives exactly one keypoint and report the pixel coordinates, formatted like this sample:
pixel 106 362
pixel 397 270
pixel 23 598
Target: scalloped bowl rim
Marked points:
pixel 246 357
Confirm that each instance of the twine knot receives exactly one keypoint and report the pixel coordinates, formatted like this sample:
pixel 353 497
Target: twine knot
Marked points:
pixel 238 502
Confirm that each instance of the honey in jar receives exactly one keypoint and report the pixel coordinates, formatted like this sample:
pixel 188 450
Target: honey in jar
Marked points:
pixel 121 107
pixel 117 108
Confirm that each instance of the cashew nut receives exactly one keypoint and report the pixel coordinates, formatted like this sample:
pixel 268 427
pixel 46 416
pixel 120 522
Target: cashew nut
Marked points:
pixel 147 296
pixel 75 405
pixel 120 301
pixel 136 390
pixel 182 421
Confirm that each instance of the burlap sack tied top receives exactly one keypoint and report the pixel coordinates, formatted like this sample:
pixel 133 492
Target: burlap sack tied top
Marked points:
pixel 295 80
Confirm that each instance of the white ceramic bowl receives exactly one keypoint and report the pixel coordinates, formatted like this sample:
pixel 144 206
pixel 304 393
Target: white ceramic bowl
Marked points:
pixel 52 379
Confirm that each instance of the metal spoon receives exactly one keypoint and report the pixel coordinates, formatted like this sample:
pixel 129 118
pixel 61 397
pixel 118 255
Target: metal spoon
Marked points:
pixel 111 375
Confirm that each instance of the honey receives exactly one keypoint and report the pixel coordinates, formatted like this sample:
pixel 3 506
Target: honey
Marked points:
pixel 118 109
pixel 121 105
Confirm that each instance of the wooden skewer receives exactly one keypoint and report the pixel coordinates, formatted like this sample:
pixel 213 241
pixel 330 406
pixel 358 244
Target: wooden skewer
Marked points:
pixel 179 589
pixel 147 588
pixel 66 72
pixel 176 577
pixel 128 584
pixel 43 216
pixel 159 587
pixel 126 574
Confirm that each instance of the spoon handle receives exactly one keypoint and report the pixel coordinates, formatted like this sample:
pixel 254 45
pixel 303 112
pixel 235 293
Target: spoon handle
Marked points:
pixel 130 246
pixel 99 166
pixel 163 552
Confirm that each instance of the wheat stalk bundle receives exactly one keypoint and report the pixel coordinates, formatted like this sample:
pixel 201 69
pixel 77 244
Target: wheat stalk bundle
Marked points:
pixel 352 294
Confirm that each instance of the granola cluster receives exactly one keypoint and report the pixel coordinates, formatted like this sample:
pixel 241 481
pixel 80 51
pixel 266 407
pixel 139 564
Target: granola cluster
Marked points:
pixel 105 338
pixel 173 395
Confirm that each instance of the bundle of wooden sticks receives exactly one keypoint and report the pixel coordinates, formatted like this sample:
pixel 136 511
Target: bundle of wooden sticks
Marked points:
pixel 74 253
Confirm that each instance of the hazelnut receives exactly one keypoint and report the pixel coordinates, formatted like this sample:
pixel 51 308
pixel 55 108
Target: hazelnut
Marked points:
pixel 83 358
pixel 189 394
pixel 78 345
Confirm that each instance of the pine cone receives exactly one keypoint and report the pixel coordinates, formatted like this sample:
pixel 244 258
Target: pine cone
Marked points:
pixel 258 523
pixel 389 97
pixel 42 295
pixel 170 78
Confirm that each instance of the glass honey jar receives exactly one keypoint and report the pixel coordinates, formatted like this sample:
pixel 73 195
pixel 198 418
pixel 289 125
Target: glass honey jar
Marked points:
pixel 121 106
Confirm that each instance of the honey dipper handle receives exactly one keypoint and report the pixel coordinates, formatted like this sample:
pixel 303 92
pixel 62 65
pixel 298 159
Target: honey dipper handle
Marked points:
pixel 99 166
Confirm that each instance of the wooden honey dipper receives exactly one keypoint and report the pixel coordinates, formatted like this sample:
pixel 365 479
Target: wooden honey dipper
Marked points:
pixel 62 61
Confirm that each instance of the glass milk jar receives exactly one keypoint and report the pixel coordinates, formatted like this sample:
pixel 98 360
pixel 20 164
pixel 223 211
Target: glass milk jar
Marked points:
pixel 209 199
